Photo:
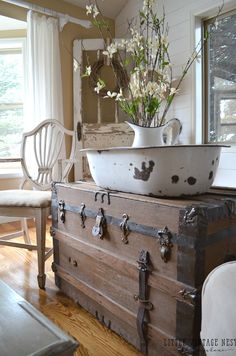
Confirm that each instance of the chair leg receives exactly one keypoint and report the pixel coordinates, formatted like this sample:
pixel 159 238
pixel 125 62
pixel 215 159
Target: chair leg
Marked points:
pixel 40 223
pixel 25 230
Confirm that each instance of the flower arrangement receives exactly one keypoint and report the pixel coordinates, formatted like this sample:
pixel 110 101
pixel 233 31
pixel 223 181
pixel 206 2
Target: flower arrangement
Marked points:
pixel 148 93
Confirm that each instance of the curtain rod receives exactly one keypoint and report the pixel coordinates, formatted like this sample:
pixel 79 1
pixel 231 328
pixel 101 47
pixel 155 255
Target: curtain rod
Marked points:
pixel 63 18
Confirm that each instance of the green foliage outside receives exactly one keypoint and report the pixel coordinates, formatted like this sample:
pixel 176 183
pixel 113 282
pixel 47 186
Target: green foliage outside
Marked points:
pixel 11 107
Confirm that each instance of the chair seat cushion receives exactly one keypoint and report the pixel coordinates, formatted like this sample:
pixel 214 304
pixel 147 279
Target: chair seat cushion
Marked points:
pixel 25 198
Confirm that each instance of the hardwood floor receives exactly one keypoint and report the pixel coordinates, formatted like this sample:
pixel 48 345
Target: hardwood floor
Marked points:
pixel 18 268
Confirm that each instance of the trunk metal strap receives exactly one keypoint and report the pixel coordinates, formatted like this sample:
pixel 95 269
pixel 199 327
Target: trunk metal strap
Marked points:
pixel 143 311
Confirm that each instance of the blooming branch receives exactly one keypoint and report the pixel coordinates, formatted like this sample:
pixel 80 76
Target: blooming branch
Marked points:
pixel 145 55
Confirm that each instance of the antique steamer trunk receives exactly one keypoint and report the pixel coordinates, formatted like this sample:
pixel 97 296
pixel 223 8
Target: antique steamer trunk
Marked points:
pixel 138 263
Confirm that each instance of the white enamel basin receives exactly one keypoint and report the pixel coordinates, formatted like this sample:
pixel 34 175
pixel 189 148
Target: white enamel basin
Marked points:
pixel 164 171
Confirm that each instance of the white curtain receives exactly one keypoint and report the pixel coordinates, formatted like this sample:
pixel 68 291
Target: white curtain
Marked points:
pixel 43 71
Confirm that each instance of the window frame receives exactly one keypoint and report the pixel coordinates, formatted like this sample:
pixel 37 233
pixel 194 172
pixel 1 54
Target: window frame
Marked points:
pixel 13 168
pixel 224 182
pixel 206 80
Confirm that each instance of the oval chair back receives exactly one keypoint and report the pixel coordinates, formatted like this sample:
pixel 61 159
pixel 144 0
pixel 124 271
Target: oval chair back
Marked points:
pixel 43 154
pixel 218 328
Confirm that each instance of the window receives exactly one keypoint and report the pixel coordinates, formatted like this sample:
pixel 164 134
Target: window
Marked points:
pixel 220 80
pixel 11 96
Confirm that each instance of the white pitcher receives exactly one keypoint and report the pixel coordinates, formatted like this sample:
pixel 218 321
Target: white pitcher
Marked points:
pixel 167 134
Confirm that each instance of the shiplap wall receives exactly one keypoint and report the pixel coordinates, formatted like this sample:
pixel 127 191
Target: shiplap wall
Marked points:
pixel 183 17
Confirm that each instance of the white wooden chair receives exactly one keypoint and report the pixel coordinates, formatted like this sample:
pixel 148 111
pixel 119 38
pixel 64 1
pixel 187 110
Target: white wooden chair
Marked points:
pixel 42 163
pixel 218 326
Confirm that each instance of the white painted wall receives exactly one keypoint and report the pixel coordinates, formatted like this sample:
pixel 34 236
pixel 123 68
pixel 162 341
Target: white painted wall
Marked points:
pixel 183 17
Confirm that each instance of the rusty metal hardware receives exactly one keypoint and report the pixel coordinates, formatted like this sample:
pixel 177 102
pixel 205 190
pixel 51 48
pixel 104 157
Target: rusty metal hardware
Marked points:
pixel 103 194
pixel 190 295
pixel 82 214
pixel 165 243
pixel 61 207
pixel 125 229
pixel 192 213
pixel 102 320
pixel 74 262
pixel 231 207
pixel 98 228
pixel 53 187
pixel 143 261
pixel 79 131
pixel 52 232
pixel 145 305
pixel 185 350
pixel 54 267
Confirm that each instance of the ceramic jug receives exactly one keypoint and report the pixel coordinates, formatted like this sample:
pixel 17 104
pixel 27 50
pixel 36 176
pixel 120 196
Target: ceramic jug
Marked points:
pixel 167 134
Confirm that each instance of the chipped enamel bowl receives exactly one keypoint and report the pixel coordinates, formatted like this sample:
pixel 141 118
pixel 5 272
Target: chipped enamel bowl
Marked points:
pixel 163 171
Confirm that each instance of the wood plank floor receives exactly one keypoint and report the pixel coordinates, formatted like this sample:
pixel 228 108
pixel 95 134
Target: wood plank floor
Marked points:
pixel 18 268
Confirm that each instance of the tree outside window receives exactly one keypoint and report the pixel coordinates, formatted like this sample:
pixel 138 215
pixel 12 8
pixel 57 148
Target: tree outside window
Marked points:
pixel 220 79
pixel 11 97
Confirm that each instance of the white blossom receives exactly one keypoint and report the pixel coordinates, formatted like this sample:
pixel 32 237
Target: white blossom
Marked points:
pixel 92 9
pixel 152 88
pixel 146 5
pixel 135 86
pixel 88 71
pixel 119 96
pixel 164 41
pixel 95 11
pixel 122 44
pixel 100 85
pixel 89 9
pixel 144 55
pixel 111 49
pixel 110 94
pixel 173 91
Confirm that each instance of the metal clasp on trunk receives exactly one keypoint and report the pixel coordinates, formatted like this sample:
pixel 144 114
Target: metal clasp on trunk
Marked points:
pixel 98 229
pixel 125 229
pixel 165 243
pixel 52 231
pixel 190 295
pixel 61 207
pixel 82 215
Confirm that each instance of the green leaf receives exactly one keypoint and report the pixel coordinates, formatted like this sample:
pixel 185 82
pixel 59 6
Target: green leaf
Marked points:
pixel 152 105
pixel 142 14
pixel 101 82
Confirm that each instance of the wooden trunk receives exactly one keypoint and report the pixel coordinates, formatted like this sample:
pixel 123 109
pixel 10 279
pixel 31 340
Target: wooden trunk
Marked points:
pixel 138 263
